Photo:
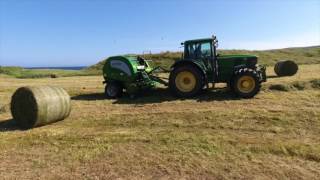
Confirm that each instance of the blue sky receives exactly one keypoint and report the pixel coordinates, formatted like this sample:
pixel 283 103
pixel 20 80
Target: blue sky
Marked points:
pixel 82 32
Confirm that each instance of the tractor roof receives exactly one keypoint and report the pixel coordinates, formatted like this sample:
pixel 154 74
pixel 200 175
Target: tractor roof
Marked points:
pixel 198 40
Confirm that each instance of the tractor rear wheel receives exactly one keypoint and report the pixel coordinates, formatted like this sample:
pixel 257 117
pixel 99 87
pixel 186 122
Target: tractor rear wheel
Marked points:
pixel 185 81
pixel 246 83
pixel 113 90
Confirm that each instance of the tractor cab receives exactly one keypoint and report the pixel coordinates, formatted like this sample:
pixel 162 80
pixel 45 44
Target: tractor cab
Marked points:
pixel 200 48
pixel 203 53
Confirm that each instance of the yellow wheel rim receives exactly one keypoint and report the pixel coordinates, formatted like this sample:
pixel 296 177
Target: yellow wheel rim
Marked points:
pixel 185 81
pixel 246 84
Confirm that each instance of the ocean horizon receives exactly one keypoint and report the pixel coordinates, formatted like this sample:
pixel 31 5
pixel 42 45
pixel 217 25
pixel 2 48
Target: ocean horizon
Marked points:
pixel 59 67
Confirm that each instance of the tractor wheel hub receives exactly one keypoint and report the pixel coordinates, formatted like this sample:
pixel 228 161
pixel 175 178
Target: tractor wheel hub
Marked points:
pixel 245 84
pixel 186 81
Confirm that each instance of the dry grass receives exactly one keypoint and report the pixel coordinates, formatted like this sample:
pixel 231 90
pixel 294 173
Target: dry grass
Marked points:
pixel 213 136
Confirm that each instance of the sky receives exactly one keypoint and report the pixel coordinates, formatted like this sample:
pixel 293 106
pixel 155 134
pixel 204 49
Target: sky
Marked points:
pixel 82 32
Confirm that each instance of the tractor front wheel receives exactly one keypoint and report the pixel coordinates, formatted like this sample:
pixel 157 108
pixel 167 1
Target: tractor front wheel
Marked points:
pixel 185 81
pixel 113 90
pixel 246 83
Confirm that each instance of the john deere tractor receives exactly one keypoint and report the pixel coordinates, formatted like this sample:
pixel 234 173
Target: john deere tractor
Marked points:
pixel 200 65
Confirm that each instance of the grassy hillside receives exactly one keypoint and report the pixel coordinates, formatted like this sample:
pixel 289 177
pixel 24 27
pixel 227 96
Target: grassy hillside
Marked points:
pixel 215 135
pixel 303 55
pixel 20 72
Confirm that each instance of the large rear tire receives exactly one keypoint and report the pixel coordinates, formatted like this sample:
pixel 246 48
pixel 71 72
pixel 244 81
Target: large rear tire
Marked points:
pixel 246 83
pixel 113 90
pixel 185 81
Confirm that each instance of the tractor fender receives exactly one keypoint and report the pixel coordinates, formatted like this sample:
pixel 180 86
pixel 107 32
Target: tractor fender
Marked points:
pixel 192 63
pixel 185 62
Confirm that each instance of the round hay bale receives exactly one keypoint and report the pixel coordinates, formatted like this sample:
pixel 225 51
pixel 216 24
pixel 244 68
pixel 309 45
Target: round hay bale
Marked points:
pixel 35 106
pixel 286 68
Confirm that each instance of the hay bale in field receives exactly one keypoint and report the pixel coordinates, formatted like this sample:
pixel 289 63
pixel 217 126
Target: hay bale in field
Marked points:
pixel 286 68
pixel 39 105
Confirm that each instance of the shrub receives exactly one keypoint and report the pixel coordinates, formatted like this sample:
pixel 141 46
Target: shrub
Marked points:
pixel 315 83
pixel 299 85
pixel 279 87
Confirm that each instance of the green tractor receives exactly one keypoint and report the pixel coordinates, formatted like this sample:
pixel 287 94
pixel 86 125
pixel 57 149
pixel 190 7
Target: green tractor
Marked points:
pixel 199 66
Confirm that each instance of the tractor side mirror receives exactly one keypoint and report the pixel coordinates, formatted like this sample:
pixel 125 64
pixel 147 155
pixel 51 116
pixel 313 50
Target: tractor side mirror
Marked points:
pixel 215 43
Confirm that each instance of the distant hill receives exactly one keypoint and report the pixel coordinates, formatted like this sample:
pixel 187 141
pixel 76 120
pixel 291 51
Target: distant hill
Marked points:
pixel 20 72
pixel 301 55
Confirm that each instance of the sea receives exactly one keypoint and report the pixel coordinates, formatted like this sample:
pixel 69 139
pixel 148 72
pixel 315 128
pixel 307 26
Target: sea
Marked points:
pixel 63 68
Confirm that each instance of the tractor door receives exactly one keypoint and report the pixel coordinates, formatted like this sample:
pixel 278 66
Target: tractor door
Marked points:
pixel 200 51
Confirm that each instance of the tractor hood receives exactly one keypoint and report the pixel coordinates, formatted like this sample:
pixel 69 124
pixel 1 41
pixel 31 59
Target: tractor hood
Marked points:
pixel 249 60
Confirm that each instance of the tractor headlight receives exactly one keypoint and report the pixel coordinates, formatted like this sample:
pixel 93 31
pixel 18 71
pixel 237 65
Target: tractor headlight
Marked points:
pixel 140 67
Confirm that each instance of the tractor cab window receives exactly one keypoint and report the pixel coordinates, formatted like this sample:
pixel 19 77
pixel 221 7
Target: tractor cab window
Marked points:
pixel 206 50
pixel 198 50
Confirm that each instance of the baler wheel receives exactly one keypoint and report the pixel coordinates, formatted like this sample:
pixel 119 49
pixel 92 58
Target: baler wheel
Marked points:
pixel 113 90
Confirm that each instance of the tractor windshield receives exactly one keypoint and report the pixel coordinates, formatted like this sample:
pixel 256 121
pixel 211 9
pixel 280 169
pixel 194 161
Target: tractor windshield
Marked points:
pixel 198 50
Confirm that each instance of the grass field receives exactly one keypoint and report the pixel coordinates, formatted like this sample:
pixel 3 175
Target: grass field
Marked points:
pixel 155 136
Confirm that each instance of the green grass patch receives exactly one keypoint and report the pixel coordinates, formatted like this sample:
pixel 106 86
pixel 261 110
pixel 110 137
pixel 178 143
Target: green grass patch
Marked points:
pixel 22 73
pixel 296 85
pixel 315 83
pixel 301 150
